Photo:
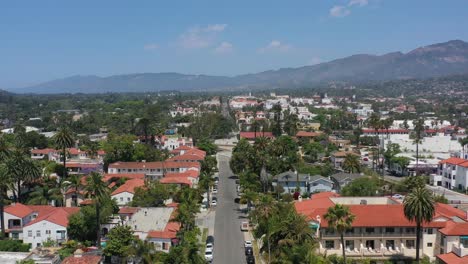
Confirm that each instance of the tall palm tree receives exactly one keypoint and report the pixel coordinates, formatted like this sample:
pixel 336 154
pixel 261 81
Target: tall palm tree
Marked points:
pixel 418 135
pixel 351 163
pixel 144 125
pixel 96 187
pixel 419 207
pixel 23 170
pixel 340 219
pixel 375 122
pixel 43 195
pixel 5 184
pixel 63 140
pixel 463 142
pixel 264 210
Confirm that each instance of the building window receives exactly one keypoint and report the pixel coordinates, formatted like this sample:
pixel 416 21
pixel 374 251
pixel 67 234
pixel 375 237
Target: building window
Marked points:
pixel 30 233
pixel 128 199
pixel 329 244
pixel 164 246
pixel 350 244
pixel 121 199
pixel 389 230
pixel 38 233
pixel 390 244
pixel 369 230
pixel 409 243
pixel 429 244
pixel 410 230
pixel 47 232
pixel 464 241
pixel 430 231
pixel 15 235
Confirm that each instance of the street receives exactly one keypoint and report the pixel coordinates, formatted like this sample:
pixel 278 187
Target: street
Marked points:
pixel 228 246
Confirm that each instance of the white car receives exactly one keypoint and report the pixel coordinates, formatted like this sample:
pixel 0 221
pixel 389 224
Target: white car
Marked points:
pixel 214 190
pixel 214 203
pixel 398 196
pixel 247 244
pixel 209 254
pixel 209 246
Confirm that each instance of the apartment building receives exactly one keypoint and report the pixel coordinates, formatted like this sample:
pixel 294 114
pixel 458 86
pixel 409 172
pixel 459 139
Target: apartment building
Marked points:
pixel 381 231
pixel 152 170
pixel 452 173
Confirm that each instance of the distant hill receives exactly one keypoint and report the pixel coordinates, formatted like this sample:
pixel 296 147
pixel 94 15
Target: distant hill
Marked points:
pixel 425 62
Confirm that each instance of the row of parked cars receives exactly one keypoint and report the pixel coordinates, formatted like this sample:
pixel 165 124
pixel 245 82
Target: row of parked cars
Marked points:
pixel 249 256
pixel 209 249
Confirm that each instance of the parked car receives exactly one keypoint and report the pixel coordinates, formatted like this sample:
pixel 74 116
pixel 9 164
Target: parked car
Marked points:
pixel 209 246
pixel 216 180
pixel 248 251
pixel 210 239
pixel 247 244
pixel 250 259
pixel 214 203
pixel 209 254
pixel 215 190
pixel 244 226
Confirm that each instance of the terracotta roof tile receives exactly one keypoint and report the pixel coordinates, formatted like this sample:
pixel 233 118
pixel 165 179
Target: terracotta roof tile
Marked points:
pixel 18 209
pixel 128 210
pixel 154 165
pixel 82 260
pixel 59 216
pixel 455 229
pixel 129 186
pixel 176 180
pixel 452 258
pixel 253 135
pixel 187 157
pixel 307 134
pixel 453 161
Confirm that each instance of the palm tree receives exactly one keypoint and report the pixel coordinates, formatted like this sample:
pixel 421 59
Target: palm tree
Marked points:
pixel 351 163
pixel 74 182
pixel 96 187
pixel 144 125
pixel 43 195
pixel 340 219
pixel 375 122
pixel 419 207
pixel 63 140
pixel 22 169
pixel 264 210
pixel 463 142
pixel 418 130
pixel 5 184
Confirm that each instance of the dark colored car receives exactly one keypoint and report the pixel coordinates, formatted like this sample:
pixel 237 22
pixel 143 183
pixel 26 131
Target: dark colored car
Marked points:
pixel 210 239
pixel 248 251
pixel 250 259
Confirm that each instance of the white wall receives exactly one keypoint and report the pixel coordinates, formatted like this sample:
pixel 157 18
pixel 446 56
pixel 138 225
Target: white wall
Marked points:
pixel 42 227
pixel 123 198
pixel 429 238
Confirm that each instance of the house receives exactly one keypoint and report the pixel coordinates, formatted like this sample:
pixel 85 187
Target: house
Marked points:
pixel 81 257
pixel 152 224
pixel 187 157
pixel 124 194
pixel 338 158
pixel 152 170
pixel 306 135
pixel 381 231
pixel 251 136
pixel 342 179
pixel 50 225
pixel 452 173
pixel 16 216
pixel 307 184
pixel 187 178
pixel 181 150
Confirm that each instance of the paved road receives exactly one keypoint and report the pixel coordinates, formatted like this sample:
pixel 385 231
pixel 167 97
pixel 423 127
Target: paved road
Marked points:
pixel 228 238
pixel 452 196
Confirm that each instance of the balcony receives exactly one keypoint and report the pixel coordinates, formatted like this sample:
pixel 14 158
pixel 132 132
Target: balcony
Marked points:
pixel 459 250
pixel 373 253
pixel 372 234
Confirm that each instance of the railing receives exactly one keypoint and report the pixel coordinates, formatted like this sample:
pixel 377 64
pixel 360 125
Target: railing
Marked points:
pixel 369 252
pixel 460 250
pixel 372 234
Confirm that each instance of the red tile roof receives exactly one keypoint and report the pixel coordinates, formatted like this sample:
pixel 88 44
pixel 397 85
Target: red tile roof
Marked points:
pixel 307 134
pixel 448 211
pixel 453 161
pixel 129 186
pixel 109 177
pixel 253 135
pixel 455 229
pixel 81 165
pixel 169 232
pixel 59 216
pixel 128 210
pixel 452 258
pixel 187 157
pixel 369 130
pixel 154 165
pixel 176 180
pixel 82 260
pixel 87 202
pixel 18 209
pixel 45 151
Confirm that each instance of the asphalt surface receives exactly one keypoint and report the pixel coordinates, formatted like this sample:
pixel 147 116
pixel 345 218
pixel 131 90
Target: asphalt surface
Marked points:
pixel 228 245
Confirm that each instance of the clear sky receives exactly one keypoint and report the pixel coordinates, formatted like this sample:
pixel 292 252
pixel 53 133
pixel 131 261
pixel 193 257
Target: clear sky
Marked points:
pixel 41 40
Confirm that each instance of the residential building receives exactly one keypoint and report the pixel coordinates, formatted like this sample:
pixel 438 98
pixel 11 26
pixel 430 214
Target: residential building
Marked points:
pixel 125 192
pixel 291 180
pixel 152 170
pixel 50 225
pixel 251 136
pixel 341 179
pixel 452 173
pixel 381 231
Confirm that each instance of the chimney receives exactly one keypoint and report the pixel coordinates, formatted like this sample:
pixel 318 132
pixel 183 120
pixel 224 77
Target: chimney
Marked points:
pixel 78 253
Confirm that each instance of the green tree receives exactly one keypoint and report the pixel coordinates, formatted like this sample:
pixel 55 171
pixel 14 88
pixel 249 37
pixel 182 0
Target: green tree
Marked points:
pixel 364 186
pixel 340 219
pixel 5 185
pixel 276 127
pixel 119 241
pixel 153 194
pixel 419 207
pixel 98 190
pixel 63 139
pixel 351 163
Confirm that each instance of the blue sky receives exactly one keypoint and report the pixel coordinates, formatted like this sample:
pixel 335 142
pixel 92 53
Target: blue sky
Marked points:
pixel 45 40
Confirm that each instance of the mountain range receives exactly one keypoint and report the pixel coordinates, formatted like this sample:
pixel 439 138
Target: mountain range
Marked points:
pixel 435 60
